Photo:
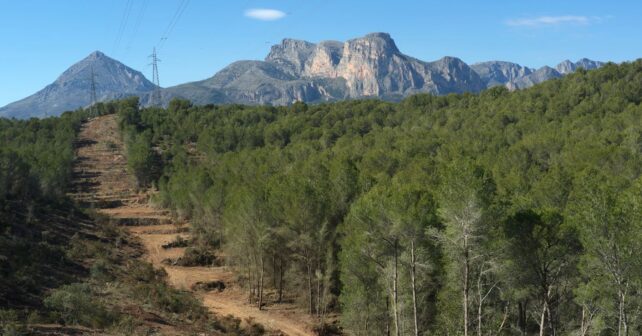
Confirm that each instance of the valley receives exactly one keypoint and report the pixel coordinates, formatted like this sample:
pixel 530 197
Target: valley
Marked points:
pixel 320 168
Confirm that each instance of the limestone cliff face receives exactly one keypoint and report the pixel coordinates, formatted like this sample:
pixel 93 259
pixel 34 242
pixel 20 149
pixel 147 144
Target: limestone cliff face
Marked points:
pixel 374 66
pixel 291 55
pixel 324 60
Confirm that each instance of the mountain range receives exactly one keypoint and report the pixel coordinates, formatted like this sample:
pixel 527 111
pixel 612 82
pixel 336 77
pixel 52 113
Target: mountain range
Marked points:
pixel 294 70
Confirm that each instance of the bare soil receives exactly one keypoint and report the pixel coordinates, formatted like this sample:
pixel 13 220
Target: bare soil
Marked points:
pixel 103 182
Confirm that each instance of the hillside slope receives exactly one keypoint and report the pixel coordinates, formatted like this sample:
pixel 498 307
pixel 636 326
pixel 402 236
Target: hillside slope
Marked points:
pixel 104 182
pixel 73 89
pixel 342 205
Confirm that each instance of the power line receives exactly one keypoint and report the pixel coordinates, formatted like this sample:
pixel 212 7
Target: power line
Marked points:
pixel 170 27
pixel 139 19
pixel 172 23
pixel 156 95
pixel 123 24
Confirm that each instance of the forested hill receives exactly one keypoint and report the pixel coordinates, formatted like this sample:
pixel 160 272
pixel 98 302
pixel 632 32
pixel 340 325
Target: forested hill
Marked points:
pixel 512 211
pixel 66 269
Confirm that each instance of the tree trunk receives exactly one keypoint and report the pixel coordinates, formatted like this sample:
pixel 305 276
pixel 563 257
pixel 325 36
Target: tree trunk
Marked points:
pixel 550 320
pixel 261 276
pixel 274 273
pixel 501 326
pixel 395 303
pixel 521 307
pixel 319 276
pixel 281 275
pixel 623 327
pixel 542 321
pixel 583 325
pixel 479 305
pixel 387 316
pixel 309 288
pixel 367 319
pixel 414 287
pixel 323 299
pixel 250 285
pixel 465 286
pixel 220 235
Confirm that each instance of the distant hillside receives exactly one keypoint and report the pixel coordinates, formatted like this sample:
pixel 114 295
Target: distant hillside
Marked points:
pixel 370 66
pixel 294 70
pixel 515 76
pixel 72 89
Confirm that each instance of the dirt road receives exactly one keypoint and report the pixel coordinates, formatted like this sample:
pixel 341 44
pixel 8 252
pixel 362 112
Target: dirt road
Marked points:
pixel 101 180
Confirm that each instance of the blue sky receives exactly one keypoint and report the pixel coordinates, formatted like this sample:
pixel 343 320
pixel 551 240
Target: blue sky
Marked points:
pixel 40 39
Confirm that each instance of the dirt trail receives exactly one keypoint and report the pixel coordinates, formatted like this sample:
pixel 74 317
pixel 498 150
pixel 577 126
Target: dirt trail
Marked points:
pixel 101 181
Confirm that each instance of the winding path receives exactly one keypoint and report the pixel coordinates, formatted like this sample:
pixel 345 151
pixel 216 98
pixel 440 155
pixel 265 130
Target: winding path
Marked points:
pixel 101 181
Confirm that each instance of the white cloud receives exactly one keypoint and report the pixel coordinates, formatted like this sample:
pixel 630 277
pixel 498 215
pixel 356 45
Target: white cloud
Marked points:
pixel 543 21
pixel 264 14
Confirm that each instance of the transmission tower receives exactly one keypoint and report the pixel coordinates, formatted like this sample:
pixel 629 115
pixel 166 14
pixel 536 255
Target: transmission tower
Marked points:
pixel 156 95
pixel 94 100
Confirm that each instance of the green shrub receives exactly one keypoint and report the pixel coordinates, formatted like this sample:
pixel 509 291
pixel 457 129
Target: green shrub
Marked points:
pixel 227 324
pixel 76 304
pixel 151 288
pixel 166 298
pixel 10 324
pixel 100 270
pixel 253 328
pixel 179 241
pixel 327 329
pixel 145 272
pixel 196 256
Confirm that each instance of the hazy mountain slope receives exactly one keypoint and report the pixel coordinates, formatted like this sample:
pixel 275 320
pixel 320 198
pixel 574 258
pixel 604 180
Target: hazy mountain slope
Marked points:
pixel 73 88
pixel 542 74
pixel 567 66
pixel 495 73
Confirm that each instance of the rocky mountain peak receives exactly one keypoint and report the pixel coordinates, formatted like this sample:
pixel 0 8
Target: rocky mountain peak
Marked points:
pixel 381 36
pixel 495 73
pixel 72 89
pixel 540 75
pixel 565 67
pixel 291 54
pixel 96 54
pixel 588 64
pixel 375 44
pixel 451 62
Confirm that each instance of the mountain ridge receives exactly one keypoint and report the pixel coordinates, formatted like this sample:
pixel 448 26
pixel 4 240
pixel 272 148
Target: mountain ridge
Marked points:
pixel 294 70
pixel 72 89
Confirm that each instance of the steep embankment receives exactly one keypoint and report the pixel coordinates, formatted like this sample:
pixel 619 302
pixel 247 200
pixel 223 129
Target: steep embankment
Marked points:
pixel 104 182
